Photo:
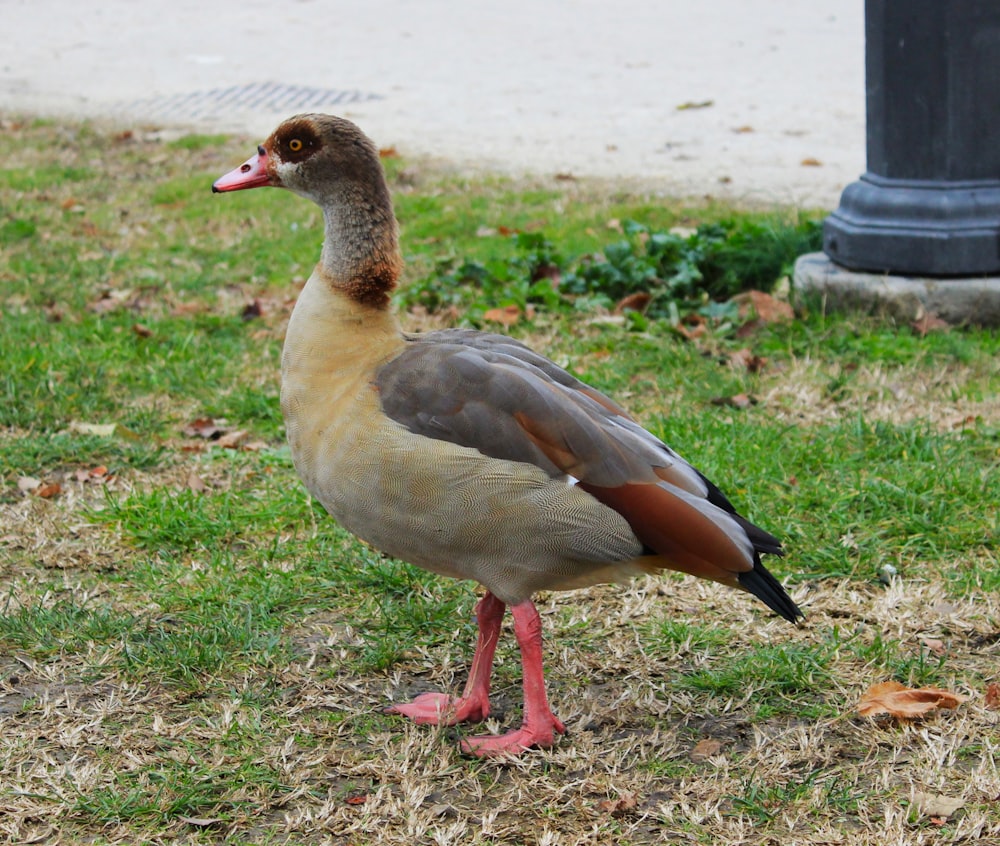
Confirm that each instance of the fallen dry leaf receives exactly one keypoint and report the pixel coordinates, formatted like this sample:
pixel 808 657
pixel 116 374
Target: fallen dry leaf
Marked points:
pixel 47 491
pixel 620 806
pixel 507 316
pixel 356 800
pixel 196 483
pixel 934 646
pixel 768 308
pixel 992 700
pixel 698 326
pixel 747 360
pixel 930 322
pixel 705 749
pixel 93 474
pixel 809 161
pixel 903 702
pixel 233 440
pixel 633 302
pixel 109 300
pixel 205 427
pixel 142 331
pixel 936 806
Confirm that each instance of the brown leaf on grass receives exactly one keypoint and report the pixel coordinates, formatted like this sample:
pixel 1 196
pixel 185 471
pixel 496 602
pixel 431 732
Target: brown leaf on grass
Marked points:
pixel 356 799
pixel 992 700
pixel 205 427
pixel 142 331
pixel 108 301
pixel 565 176
pixel 690 334
pixel 388 153
pixel 633 302
pixel 619 806
pixel 768 308
pixel 930 322
pixel 233 440
pixel 691 327
pixel 506 316
pixel 97 474
pixel 196 483
pixel 705 749
pixel 744 359
pixel 187 307
pixel 934 646
pixel 48 491
pixel 936 806
pixel 903 702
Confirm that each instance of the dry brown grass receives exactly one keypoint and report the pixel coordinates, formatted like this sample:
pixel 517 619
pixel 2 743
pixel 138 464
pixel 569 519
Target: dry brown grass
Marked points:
pixel 900 394
pixel 623 774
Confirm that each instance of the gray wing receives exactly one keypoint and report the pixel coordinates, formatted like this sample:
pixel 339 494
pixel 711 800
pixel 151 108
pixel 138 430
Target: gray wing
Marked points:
pixel 496 395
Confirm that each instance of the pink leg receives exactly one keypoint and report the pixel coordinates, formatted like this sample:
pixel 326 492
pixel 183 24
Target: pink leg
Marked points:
pixel 440 709
pixel 540 726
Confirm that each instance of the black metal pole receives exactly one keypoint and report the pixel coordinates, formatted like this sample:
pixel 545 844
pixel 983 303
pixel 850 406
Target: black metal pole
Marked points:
pixel 929 203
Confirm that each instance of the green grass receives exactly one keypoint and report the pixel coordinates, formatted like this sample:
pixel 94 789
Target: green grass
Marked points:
pixel 188 636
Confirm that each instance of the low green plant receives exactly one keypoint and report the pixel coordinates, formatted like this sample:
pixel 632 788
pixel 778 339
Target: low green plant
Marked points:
pixel 677 271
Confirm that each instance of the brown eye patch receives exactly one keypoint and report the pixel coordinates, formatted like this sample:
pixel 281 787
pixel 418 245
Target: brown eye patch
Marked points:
pixel 297 142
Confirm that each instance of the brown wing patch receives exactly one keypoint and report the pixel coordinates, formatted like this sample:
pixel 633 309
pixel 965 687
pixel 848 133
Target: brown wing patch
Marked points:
pixel 604 401
pixel 677 530
pixel 540 436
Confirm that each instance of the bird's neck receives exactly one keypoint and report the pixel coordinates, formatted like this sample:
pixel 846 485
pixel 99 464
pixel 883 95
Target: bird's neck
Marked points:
pixel 361 255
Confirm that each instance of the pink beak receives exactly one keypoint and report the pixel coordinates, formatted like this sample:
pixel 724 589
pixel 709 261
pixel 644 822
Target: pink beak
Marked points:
pixel 251 174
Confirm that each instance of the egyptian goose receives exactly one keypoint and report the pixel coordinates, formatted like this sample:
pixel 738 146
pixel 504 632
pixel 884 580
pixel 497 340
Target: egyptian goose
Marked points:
pixel 467 453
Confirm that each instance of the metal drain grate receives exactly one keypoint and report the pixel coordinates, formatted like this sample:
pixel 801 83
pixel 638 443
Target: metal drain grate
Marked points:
pixel 257 96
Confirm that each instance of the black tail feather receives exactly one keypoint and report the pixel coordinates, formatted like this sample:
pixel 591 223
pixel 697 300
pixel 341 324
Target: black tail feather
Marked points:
pixel 762 541
pixel 769 590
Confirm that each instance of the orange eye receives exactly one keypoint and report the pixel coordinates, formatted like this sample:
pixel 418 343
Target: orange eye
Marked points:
pixel 295 145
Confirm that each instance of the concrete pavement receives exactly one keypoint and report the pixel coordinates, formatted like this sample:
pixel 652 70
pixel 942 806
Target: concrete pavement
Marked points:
pixel 760 100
